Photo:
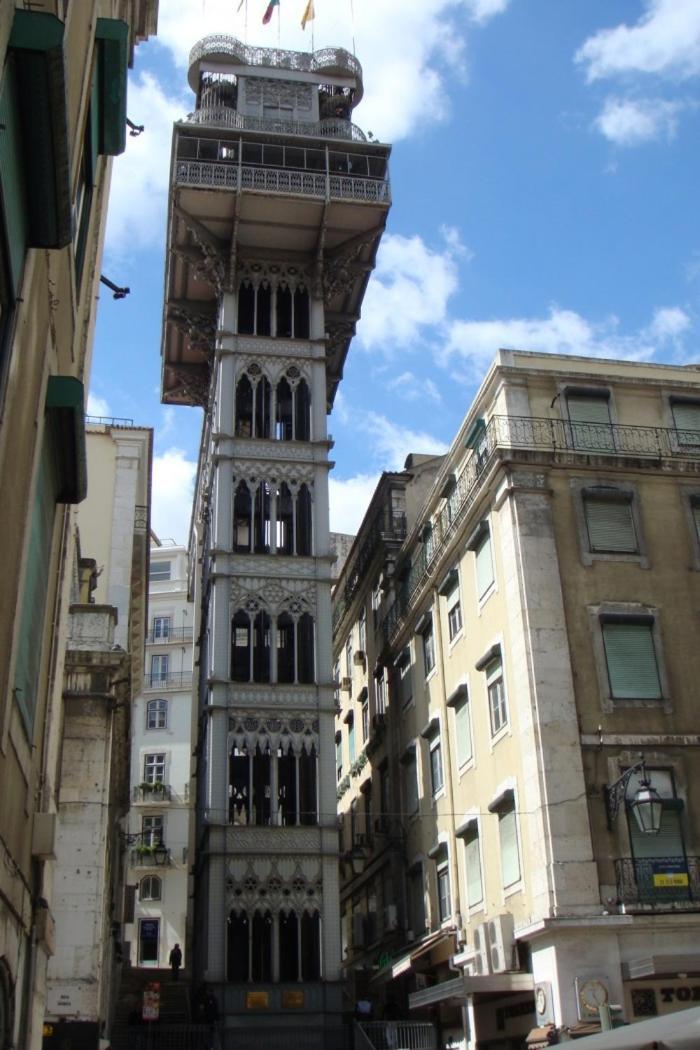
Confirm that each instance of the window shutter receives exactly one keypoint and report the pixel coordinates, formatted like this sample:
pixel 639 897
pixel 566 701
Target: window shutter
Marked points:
pixel 686 416
pixel 584 409
pixel 12 178
pixel 610 525
pixel 484 566
pixel 632 667
pixel 510 865
pixel 668 842
pixel 475 893
pixel 463 732
pixel 590 422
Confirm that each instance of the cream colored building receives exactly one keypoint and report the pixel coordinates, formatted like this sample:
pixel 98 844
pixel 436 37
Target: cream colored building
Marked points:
pixel 62 103
pixel 539 634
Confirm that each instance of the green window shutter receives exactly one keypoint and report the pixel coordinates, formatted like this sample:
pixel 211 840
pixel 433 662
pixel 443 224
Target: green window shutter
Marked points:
pixel 610 525
pixel 31 630
pixel 508 833
pixel 463 733
pixel 588 409
pixel 12 176
pixel 668 842
pixel 590 422
pixel 484 566
pixel 472 858
pixel 632 668
pixel 686 416
pixel 112 45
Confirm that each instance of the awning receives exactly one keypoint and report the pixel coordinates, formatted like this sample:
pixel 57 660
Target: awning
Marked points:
pixel 36 46
pixel 65 410
pixel 405 963
pixel 112 42
pixel 678 1031
pixel 461 987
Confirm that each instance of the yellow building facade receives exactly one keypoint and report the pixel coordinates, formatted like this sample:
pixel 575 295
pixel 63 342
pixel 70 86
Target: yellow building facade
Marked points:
pixel 537 635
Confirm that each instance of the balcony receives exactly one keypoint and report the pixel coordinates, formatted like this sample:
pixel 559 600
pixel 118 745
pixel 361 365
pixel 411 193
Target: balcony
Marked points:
pixel 172 680
pixel 152 794
pixel 156 856
pixel 531 439
pixel 227 117
pixel 169 635
pixel 671 883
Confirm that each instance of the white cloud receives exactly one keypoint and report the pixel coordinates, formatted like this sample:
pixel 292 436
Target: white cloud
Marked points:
pixel 173 487
pixel 97 406
pixel 665 41
pixel 399 42
pixel 631 122
pixel 391 443
pixel 409 290
pixel 349 500
pixel 410 387
pixel 669 322
pixel 138 198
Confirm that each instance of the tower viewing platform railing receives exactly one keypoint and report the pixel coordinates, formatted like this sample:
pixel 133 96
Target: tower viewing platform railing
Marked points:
pixel 227 117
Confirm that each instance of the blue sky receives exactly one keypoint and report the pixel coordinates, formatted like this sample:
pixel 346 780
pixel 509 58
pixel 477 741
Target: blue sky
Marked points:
pixel 545 175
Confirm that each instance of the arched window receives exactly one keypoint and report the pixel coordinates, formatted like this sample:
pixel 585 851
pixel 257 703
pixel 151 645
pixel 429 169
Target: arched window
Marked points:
pixel 284 424
pixel 246 308
pixel 242 519
pixel 150 888
pixel 244 407
pixel 262 946
pixel 286 637
pixel 301 314
pixel 157 714
pixel 240 647
pixel 305 645
pixel 302 413
pixel 285 321
pixel 263 313
pixel 254 308
pixel 311 946
pixel 285 520
pixel 288 946
pixel 293 411
pixel 262 519
pixel 304 521
pixel 307 788
pixel 237 947
pixel 261 396
pixel 250 647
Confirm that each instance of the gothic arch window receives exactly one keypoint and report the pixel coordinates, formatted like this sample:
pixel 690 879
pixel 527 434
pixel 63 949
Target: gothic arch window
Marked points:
pixel 150 888
pixel 246 308
pixel 284 425
pixel 285 316
pixel 308 797
pixel 261 398
pixel 262 946
pixel 275 786
pixel 301 313
pixel 289 946
pixel 238 948
pixel 302 414
pixel 254 308
pixel 293 410
pixel 244 407
pixel 242 519
pixel 304 522
pixel 285 520
pixel 253 405
pixel 286 648
pixel 311 946
pixel 250 647
pixel 305 645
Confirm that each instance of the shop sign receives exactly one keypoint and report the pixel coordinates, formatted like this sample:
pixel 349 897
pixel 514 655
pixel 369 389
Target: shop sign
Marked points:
pixel 669 872
pixel 257 1000
pixel 293 999
pixel 150 1010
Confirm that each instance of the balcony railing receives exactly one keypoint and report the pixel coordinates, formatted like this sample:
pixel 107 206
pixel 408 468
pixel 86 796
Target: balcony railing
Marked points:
pixel 227 117
pixel 658 880
pixel 152 793
pixel 387 525
pixel 172 680
pixel 155 856
pixel 167 635
pixel 505 434
pixel 230 176
pixel 409 1035
pixel 335 58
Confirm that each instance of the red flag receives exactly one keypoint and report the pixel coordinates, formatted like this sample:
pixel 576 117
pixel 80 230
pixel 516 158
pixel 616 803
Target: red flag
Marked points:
pixel 268 12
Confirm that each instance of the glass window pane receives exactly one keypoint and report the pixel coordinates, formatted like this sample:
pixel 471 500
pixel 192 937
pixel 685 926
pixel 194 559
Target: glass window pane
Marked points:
pixel 508 834
pixel 463 732
pixel 472 856
pixel 484 566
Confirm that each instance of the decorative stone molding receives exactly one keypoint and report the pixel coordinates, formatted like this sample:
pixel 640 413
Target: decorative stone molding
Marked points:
pixel 276 884
pixel 279 698
pixel 252 473
pixel 277 731
pixel 276 274
pixel 295 597
pixel 273 368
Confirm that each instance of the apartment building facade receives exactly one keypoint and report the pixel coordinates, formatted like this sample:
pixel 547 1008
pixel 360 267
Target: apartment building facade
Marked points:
pixel 62 96
pixel 538 639
pixel 278 202
pixel 161 761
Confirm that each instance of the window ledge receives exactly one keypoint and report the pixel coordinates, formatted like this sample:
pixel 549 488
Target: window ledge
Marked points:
pixel 611 705
pixel 510 891
pixel 502 732
pixel 483 599
pixel 453 641
pixel 465 767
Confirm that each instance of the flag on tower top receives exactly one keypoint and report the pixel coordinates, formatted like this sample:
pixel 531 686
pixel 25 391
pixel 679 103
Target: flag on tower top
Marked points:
pixel 269 9
pixel 309 14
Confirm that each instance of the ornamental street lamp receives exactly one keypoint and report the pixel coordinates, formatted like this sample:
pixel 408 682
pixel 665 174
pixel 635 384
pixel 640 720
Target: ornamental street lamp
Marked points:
pixel 647 804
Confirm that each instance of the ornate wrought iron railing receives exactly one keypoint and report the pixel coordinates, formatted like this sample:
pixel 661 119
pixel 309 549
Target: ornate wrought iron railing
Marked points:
pixel 152 793
pixel 171 680
pixel 167 635
pixel 504 434
pixel 657 880
pixel 227 117
pixel 229 176
pixel 306 61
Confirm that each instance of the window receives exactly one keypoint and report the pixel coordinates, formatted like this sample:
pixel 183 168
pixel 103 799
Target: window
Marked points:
pixel 459 702
pixel 376 604
pixel 339 755
pixel 161 628
pixel 157 714
pixel 508 838
pixel 348 656
pixel 656 857
pixel 436 779
pixel 380 692
pixel 351 737
pixel 630 656
pixel 589 417
pixel 609 522
pixel 159 669
pixel 154 768
pixel 150 888
pixel 159 571
pixel 484 564
pixel 454 614
pixel 686 418
pixel 428 646
pixel 443 890
pixel 336 683
pixel 362 630
pixel 365 720
pixel 152 831
pixel 402 678
pixel 472 864
pixel 416 899
pixel 495 688
pixel 410 781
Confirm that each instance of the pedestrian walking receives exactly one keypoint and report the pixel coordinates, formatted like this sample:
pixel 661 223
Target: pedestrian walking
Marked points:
pixel 175 960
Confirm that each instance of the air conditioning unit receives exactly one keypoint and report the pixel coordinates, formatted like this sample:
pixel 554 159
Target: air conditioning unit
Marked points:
pixel 358 657
pixel 346 684
pixel 480 938
pixel 358 930
pixel 391 917
pixel 500 934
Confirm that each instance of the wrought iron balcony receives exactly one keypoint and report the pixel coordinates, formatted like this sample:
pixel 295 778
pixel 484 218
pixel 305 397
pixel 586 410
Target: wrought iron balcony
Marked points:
pixel 227 117
pixel 658 880
pixel 144 856
pixel 168 635
pixel 227 175
pixel 388 525
pixel 547 439
pixel 151 793
pixel 173 680
pixel 327 58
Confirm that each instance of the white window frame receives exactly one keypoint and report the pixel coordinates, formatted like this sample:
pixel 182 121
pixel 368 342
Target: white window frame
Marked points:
pixel 435 749
pixel 158 634
pixel 460 700
pixel 408 760
pixel 470 833
pixel 162 662
pixel 152 707
pixel 160 571
pixel 152 762
pixel 494 672
pixel 442 872
pixel 153 829
pixel 151 880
